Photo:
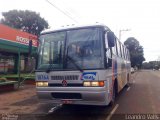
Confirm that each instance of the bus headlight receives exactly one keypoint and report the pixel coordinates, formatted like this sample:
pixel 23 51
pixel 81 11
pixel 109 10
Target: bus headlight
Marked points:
pixel 41 84
pixel 93 84
pixel 86 84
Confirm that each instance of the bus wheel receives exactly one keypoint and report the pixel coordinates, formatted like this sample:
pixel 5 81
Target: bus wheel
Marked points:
pixel 113 96
pixel 127 85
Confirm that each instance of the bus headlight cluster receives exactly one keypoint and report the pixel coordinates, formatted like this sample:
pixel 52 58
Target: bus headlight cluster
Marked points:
pixel 93 84
pixel 41 84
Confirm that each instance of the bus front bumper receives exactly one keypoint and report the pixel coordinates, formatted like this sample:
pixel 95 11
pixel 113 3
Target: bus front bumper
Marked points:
pixel 85 96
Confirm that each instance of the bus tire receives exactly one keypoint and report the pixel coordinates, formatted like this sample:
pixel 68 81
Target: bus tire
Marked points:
pixel 114 94
pixel 128 84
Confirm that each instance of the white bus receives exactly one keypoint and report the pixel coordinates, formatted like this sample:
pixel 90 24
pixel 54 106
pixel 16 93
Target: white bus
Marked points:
pixel 81 65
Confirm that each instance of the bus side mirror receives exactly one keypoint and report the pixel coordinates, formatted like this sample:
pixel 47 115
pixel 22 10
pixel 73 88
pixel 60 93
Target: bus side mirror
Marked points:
pixel 30 47
pixel 111 39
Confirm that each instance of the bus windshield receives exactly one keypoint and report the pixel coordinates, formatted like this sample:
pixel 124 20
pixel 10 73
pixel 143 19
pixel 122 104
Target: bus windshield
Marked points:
pixel 69 49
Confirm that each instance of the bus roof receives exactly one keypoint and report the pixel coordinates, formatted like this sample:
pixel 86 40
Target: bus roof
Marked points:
pixel 73 26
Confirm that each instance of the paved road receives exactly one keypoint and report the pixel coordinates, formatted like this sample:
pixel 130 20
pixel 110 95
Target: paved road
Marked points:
pixel 139 101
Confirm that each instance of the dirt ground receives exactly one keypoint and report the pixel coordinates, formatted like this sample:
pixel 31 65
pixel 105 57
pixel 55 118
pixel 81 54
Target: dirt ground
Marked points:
pixel 20 101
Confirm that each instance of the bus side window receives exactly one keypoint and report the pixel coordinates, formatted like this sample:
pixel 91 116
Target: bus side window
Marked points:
pixel 108 52
pixel 116 48
pixel 122 51
pixel 126 53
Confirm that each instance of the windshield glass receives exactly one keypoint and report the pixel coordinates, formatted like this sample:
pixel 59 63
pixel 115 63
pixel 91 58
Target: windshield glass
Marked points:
pixel 51 50
pixel 84 46
pixel 71 49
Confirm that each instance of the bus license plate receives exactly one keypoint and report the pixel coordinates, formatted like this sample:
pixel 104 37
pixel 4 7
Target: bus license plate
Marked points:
pixel 66 101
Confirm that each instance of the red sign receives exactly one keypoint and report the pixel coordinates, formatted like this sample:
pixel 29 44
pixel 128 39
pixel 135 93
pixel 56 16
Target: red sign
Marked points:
pixel 13 35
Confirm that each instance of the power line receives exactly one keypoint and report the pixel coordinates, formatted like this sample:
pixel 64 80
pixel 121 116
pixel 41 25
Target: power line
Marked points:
pixel 62 11
pixel 67 12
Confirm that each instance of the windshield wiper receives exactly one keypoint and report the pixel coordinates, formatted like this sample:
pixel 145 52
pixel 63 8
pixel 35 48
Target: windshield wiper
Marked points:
pixel 74 63
pixel 49 67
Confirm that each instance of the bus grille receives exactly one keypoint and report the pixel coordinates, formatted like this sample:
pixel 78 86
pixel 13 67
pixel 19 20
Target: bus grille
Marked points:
pixel 67 77
pixel 68 85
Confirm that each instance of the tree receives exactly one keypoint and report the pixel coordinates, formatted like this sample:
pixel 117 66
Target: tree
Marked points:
pixel 151 65
pixel 136 52
pixel 27 21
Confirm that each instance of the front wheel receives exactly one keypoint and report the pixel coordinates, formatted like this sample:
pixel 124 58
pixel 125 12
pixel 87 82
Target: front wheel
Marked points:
pixel 128 81
pixel 113 97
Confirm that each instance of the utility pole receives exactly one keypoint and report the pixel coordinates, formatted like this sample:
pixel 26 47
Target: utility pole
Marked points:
pixel 120 32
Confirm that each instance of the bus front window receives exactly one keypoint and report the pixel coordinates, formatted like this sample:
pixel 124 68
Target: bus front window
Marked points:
pixel 84 46
pixel 71 50
pixel 51 51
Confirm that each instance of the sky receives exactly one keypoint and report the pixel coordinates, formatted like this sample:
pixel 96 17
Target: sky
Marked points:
pixel 140 17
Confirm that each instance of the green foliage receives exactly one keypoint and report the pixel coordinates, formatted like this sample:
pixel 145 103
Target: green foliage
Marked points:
pixel 136 52
pixel 27 21
pixel 151 65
